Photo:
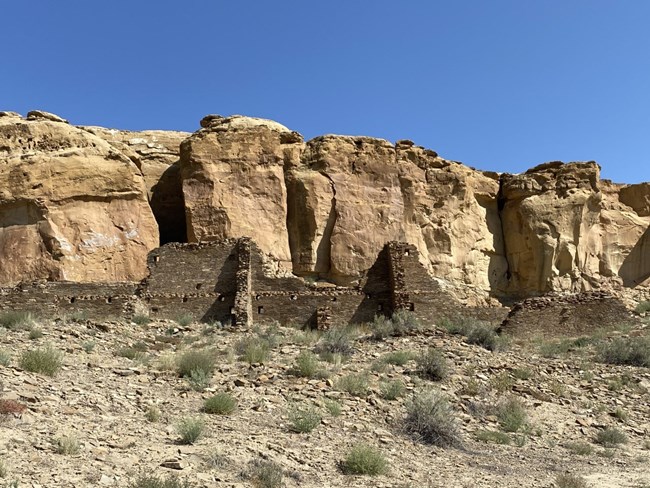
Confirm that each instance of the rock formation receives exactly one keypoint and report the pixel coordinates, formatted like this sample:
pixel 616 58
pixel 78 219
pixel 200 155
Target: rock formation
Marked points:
pixel 71 206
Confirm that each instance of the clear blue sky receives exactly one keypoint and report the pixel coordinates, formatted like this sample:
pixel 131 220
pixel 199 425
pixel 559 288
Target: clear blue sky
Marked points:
pixel 498 84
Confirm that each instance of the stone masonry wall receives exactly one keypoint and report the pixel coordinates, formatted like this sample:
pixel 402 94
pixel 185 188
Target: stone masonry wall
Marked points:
pixel 574 314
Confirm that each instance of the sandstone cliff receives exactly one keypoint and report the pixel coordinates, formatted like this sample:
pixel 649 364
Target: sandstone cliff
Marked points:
pixel 72 199
pixel 71 206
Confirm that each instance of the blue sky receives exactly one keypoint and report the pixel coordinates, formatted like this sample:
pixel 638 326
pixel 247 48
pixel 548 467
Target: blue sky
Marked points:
pixel 500 85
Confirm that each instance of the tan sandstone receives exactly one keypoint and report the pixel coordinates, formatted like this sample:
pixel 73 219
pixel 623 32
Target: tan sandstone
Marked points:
pixel 71 206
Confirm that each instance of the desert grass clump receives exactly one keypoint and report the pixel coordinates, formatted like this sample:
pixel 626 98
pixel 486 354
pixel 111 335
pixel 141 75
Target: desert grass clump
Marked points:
pixel 392 390
pixel 35 334
pixel 132 353
pixel 492 436
pixel 5 357
pixel 579 448
pixel 567 480
pixel 190 429
pixel 184 320
pixel 264 474
pixel 303 419
pixel 159 482
pixel 430 419
pixel 398 358
pixel 337 340
pixel 47 360
pixel 457 325
pixel 381 327
pixel 220 404
pixel 486 337
pixel 405 322
pixel 67 445
pixel 433 365
pixel 643 307
pixel 633 351
pixel 199 379
pixel 153 414
pixel 308 366
pixel 363 459
pixel 16 319
pixel 253 350
pixel 611 437
pixel 511 414
pixel 333 407
pixel 356 384
pixel 140 319
pixel 522 373
pixel 195 360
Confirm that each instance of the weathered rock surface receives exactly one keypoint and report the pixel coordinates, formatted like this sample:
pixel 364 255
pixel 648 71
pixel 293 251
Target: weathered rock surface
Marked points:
pixel 565 229
pixel 156 154
pixel 71 206
pixel 233 181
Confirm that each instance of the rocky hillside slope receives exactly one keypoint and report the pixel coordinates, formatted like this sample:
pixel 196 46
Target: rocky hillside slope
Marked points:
pixel 82 203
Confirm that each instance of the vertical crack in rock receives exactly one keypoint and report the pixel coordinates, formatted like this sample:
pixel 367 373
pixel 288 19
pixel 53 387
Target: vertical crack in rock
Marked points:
pixel 324 251
pixel 501 203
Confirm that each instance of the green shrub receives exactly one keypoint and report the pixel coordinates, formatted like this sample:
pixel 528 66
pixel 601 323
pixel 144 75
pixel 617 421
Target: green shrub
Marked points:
pixel 184 320
pixel 570 481
pixel 429 418
pixel 35 334
pixel 511 414
pixel 392 390
pixel 433 365
pixel 336 340
pixel 522 373
pixel 492 436
pixel 265 474
pixel 405 322
pixel 141 319
pixel 611 437
pixel 199 380
pixel 364 460
pixel 190 429
pixel 381 327
pixel 398 358
pixel 253 350
pixel 333 407
pixel 220 404
pixel 159 482
pixel 633 351
pixel 89 346
pixel 47 361
pixel 620 414
pixel 3 469
pixel 131 353
pixel 153 414
pixel 354 384
pixel 195 360
pixel 68 445
pixel 5 357
pixel 16 319
pixel 308 366
pixel 579 448
pixel 303 419
pixel 643 307
pixel 485 336
pixel 502 382
pixel 457 325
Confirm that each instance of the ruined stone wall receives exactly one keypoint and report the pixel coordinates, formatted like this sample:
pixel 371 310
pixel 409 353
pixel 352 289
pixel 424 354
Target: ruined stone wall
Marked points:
pixel 55 299
pixel 575 314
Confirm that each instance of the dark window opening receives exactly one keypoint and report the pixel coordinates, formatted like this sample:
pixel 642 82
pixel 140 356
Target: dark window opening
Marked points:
pixel 185 299
pixel 257 297
pixel 380 308
pixel 412 307
pixel 154 309
pixel 368 296
pixel 222 298
pixel 199 285
pixel 407 253
pixel 109 300
pixel 156 259
pixel 333 299
pixel 294 297
pixel 72 299
pixel 260 310
pixel 232 310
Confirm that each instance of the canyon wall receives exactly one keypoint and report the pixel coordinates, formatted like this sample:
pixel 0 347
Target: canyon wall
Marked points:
pixel 79 204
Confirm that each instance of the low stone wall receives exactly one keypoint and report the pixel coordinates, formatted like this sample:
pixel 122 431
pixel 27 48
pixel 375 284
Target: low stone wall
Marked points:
pixel 575 314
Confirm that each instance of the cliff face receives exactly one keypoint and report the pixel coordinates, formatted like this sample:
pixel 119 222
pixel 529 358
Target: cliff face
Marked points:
pixel 71 206
pixel 321 209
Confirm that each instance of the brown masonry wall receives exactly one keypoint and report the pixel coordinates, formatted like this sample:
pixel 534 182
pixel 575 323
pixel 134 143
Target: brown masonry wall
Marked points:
pixel 575 314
